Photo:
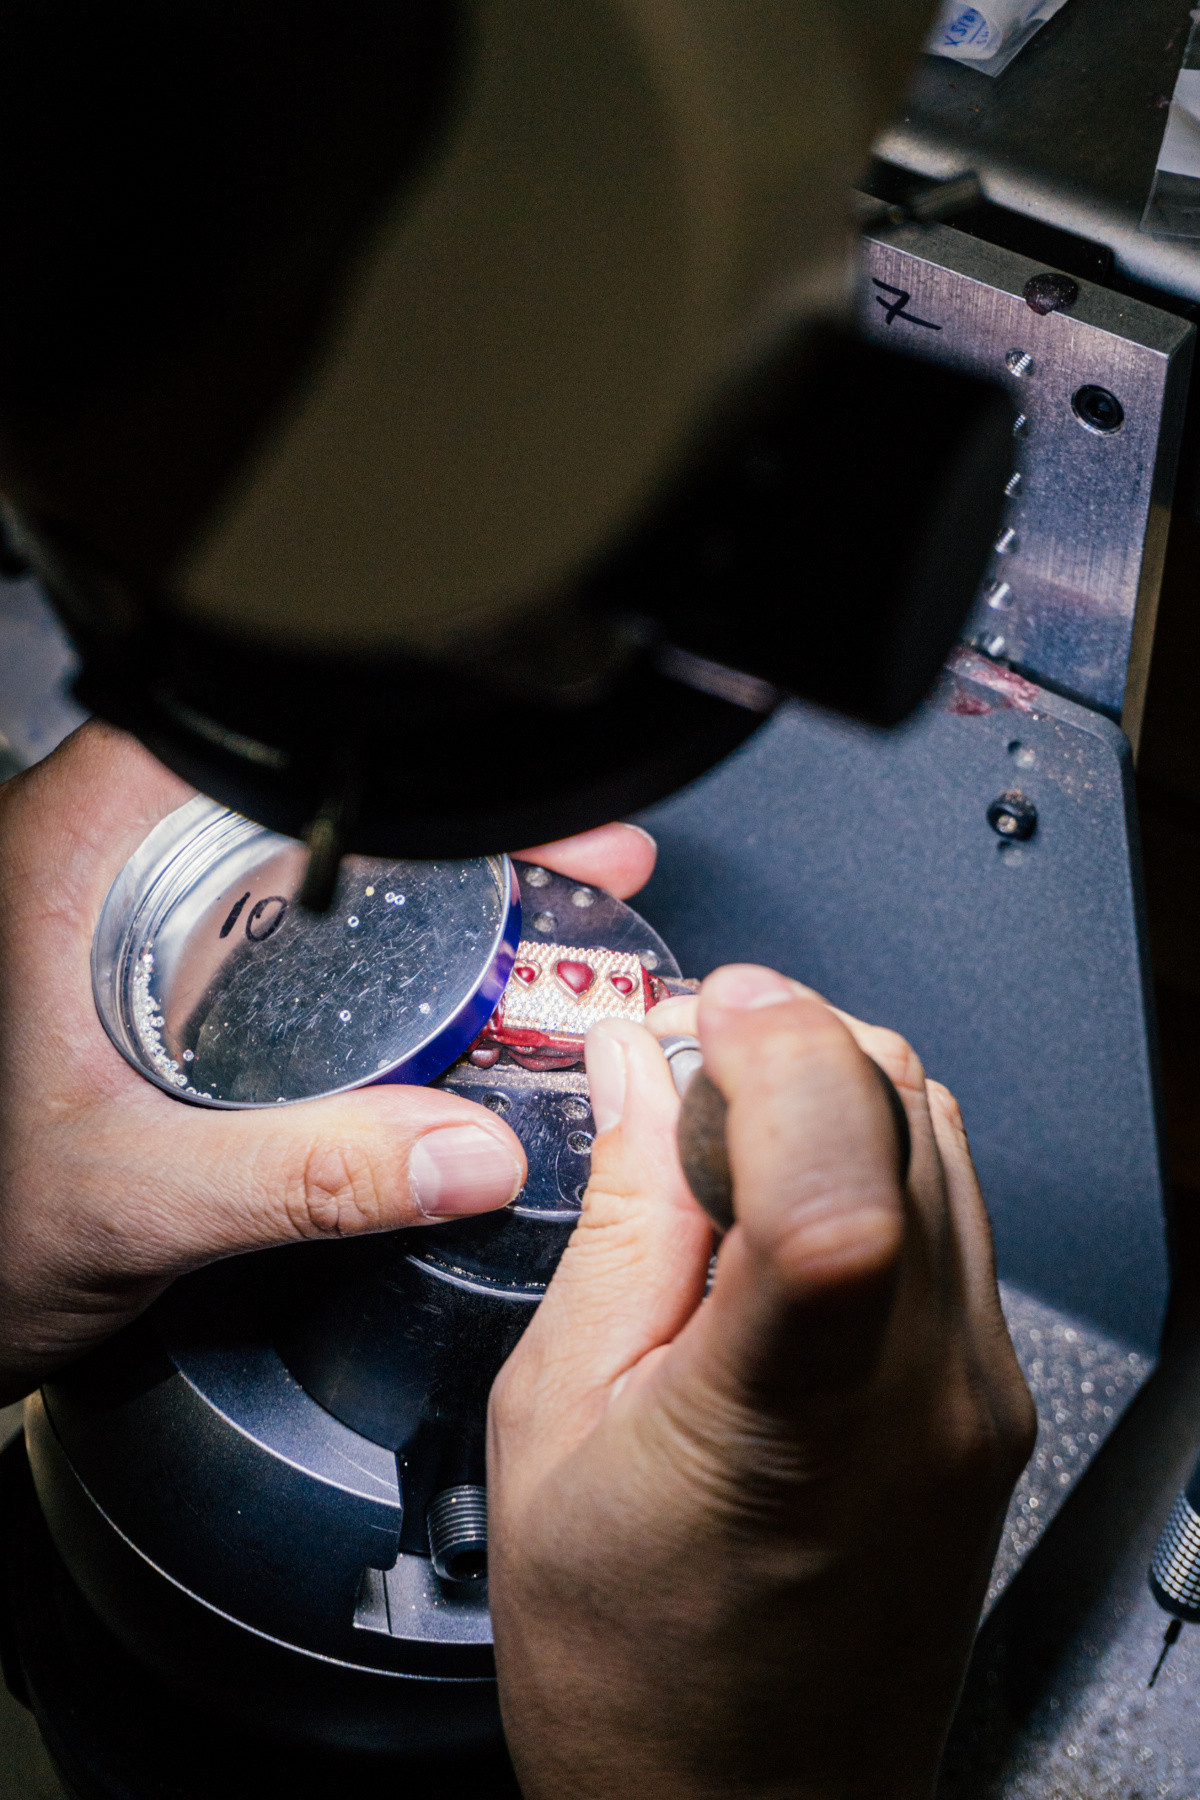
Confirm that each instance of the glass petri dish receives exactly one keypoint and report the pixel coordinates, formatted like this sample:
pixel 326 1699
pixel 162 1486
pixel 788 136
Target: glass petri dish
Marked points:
pixel 216 986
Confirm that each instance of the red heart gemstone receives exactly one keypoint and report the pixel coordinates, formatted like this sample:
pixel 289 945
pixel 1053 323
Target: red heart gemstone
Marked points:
pixel 525 972
pixel 575 975
pixel 622 983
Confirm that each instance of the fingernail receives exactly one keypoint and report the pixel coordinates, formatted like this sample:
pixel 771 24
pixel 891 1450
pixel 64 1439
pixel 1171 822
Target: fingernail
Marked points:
pixel 460 1170
pixel 642 832
pixel 741 987
pixel 605 1054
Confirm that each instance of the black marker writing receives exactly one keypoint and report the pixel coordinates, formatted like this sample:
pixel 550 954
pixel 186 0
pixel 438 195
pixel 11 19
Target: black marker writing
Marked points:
pixel 260 924
pixel 234 916
pixel 894 309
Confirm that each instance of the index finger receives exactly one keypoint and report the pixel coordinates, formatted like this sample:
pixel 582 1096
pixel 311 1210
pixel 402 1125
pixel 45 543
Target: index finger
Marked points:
pixel 618 858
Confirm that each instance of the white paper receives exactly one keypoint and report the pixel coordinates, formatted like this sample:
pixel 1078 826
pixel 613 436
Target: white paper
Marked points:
pixel 1180 153
pixel 988 33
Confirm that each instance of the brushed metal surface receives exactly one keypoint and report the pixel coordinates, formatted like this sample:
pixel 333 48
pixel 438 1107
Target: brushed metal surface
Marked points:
pixel 1070 596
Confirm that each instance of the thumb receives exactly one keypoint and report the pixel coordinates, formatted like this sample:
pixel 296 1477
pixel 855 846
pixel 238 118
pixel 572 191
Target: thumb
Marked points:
pixel 634 1269
pixel 183 1186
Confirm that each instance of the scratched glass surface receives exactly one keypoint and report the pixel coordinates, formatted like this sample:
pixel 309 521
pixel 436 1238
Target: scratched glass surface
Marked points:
pixel 233 993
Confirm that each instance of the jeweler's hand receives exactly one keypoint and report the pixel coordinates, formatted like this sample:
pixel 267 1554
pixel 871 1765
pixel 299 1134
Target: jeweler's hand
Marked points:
pixel 739 1546
pixel 109 1188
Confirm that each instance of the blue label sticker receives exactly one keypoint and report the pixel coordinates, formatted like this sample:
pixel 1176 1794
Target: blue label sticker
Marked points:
pixel 966 27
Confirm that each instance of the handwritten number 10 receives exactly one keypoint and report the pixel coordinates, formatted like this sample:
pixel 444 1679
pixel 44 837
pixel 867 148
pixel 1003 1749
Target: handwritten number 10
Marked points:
pixel 264 918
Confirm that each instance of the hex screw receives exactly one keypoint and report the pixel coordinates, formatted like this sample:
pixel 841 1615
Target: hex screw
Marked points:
pixel 1013 816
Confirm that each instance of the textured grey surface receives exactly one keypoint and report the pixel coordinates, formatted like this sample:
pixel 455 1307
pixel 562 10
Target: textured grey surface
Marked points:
pixel 863 863
pixel 1081 1382
pixel 1100 1732
pixel 1057 1705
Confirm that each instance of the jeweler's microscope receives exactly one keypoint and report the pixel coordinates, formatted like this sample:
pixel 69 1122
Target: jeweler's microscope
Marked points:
pixel 440 428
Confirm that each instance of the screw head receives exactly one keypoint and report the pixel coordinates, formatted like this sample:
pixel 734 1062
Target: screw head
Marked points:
pixel 1013 816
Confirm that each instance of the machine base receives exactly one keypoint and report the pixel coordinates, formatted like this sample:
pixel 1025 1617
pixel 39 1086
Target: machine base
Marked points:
pixel 114 1733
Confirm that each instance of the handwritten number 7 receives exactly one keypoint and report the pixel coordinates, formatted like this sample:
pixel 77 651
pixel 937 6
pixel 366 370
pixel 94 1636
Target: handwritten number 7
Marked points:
pixel 894 308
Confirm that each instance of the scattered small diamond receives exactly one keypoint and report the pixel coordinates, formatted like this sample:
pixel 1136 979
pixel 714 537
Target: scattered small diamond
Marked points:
pixel 352 921
pixel 344 1017
pixel 424 1006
